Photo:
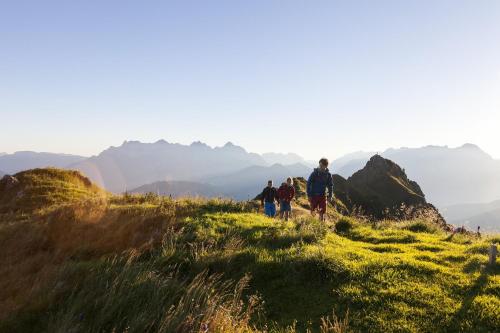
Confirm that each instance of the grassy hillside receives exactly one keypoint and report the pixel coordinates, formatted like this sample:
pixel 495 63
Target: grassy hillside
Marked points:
pixel 45 188
pixel 147 263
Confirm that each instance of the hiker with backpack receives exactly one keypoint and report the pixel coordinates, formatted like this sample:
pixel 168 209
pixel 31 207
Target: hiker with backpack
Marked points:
pixel 319 181
pixel 268 198
pixel 286 193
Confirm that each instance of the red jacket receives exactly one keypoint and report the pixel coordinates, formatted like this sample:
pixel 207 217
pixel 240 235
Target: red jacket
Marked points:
pixel 286 192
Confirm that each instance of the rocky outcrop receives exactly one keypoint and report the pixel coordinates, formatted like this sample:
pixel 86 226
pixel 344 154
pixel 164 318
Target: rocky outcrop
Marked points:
pixel 8 182
pixel 382 190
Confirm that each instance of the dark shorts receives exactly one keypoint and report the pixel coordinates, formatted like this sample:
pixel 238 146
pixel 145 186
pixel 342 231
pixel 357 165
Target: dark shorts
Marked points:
pixel 285 206
pixel 318 202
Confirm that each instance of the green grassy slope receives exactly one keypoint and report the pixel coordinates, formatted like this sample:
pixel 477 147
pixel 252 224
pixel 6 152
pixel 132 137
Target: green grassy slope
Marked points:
pixel 145 263
pixel 42 188
pixel 389 279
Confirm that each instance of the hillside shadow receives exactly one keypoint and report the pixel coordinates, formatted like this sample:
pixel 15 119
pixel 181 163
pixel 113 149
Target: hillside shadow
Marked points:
pixel 457 239
pixel 284 242
pixel 474 291
pixel 396 239
pixel 284 283
pixel 273 238
pixel 385 249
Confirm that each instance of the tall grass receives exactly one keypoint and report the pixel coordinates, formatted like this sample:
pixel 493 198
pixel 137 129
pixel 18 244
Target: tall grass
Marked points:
pixel 141 298
pixel 152 264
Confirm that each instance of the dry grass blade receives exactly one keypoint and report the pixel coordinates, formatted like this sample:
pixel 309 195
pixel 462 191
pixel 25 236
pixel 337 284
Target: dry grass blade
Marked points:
pixel 334 324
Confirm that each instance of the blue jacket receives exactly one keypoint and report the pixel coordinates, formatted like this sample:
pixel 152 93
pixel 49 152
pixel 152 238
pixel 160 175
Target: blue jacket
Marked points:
pixel 318 182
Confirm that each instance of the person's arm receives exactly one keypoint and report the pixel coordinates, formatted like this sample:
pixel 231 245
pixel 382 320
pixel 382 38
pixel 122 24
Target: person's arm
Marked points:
pixel 330 187
pixel 309 185
pixel 292 193
pixel 262 196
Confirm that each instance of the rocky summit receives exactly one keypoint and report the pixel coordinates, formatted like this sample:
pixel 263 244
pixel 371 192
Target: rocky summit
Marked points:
pixel 382 190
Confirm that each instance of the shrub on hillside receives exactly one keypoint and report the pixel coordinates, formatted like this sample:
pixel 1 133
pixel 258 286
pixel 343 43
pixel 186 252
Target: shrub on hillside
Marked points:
pixel 494 239
pixel 310 228
pixel 344 225
pixel 422 226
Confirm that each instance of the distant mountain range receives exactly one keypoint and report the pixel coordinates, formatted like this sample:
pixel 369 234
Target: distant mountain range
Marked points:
pixel 240 185
pixel 134 164
pixel 486 215
pixel 24 160
pixel 178 189
pixel 246 183
pixel 447 175
pixel 286 159
pixel 228 170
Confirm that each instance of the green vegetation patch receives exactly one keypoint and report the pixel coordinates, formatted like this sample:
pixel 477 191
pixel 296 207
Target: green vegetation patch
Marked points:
pixel 187 261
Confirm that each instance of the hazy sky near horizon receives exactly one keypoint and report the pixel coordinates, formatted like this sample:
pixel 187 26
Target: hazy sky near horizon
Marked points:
pixel 312 77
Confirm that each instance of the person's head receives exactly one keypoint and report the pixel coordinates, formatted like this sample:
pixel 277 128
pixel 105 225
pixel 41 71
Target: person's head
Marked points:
pixel 323 163
pixel 269 183
pixel 289 181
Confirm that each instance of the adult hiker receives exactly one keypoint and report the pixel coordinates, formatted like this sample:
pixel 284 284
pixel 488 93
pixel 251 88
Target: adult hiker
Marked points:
pixel 286 193
pixel 319 181
pixel 268 198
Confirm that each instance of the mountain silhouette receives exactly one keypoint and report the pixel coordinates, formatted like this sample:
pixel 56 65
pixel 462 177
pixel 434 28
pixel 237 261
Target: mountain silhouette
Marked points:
pixel 486 215
pixel 239 185
pixel 447 175
pixel 285 159
pixel 178 189
pixel 244 183
pixel 134 164
pixel 25 160
pixel 381 189
pixel 350 163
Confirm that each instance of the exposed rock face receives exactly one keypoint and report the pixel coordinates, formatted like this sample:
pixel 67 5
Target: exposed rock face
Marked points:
pixel 448 176
pixel 7 182
pixel 382 190
pixel 381 184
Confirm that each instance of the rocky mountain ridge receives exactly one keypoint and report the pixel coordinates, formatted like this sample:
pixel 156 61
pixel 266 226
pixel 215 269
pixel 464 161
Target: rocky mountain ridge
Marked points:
pixel 382 190
pixel 448 176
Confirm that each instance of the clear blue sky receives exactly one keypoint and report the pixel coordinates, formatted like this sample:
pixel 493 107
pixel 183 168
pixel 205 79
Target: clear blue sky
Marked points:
pixel 312 77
